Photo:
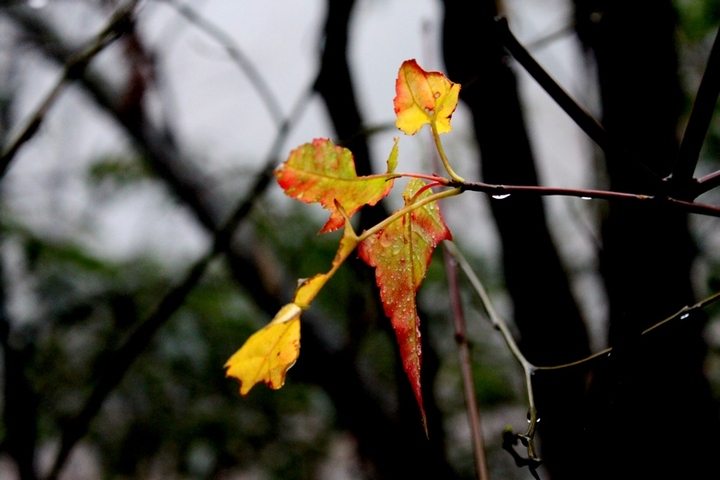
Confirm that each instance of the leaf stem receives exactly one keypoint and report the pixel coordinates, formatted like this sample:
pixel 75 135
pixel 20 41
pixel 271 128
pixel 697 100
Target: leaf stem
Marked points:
pixel 441 152
pixel 432 178
pixel 407 209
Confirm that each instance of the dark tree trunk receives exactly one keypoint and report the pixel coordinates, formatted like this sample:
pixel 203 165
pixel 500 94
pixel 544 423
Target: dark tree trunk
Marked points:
pixel 545 312
pixel 653 416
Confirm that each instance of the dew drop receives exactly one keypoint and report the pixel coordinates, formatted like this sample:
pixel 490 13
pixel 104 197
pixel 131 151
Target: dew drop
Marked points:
pixel 437 95
pixel 585 198
pixel 684 316
pixel 501 197
pixel 429 110
pixel 37 3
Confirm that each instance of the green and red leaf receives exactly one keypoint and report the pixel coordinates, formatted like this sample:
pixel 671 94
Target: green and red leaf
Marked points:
pixel 401 253
pixel 323 172
pixel 423 97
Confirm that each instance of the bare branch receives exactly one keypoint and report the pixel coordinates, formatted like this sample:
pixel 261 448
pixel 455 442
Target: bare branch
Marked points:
pixel 74 67
pixel 580 116
pixel 699 121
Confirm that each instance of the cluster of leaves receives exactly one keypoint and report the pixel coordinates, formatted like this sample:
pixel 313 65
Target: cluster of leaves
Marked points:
pixel 399 248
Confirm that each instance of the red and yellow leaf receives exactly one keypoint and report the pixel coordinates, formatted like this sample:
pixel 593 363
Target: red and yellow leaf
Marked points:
pixel 268 354
pixel 323 172
pixel 400 254
pixel 423 97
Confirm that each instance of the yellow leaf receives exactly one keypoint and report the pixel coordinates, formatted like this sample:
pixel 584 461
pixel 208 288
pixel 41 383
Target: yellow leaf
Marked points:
pixel 423 97
pixel 268 354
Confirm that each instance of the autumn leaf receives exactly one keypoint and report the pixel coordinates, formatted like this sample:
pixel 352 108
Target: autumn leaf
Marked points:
pixel 268 354
pixel 400 254
pixel 323 172
pixel 423 98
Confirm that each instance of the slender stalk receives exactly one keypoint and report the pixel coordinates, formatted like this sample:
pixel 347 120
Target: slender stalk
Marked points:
pixel 528 368
pixel 578 114
pixel 582 118
pixel 500 325
pixel 707 183
pixel 587 194
pixel 466 365
pixel 700 117
pixel 407 209
pixel 681 314
pixel 443 157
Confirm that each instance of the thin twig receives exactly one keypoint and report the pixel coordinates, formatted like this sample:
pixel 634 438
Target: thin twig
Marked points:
pixel 407 209
pixel 528 368
pixel 233 50
pixel 579 115
pixel 502 191
pixel 74 68
pixel 699 121
pixel 681 314
pixel 139 339
pixel 500 325
pixel 547 39
pixel 465 365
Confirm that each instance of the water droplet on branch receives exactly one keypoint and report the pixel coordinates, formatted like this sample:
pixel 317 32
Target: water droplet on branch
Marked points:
pixel 501 197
